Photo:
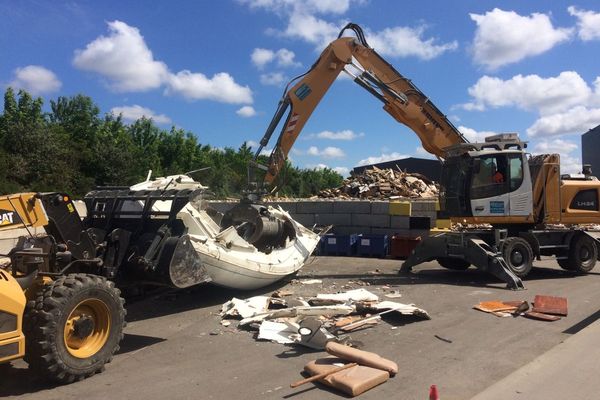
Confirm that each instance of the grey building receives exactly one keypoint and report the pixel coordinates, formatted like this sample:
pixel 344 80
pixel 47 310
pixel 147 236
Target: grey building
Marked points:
pixel 590 149
pixel 430 168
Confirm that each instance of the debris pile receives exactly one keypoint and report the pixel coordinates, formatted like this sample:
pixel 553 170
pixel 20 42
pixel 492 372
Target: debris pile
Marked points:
pixel 545 308
pixel 378 183
pixel 316 321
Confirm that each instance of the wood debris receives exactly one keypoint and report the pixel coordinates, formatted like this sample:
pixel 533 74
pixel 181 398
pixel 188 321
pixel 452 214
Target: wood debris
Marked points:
pixel 379 183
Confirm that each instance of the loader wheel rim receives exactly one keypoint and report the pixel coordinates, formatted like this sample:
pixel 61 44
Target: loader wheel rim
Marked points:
pixel 516 258
pixel 584 253
pixel 87 328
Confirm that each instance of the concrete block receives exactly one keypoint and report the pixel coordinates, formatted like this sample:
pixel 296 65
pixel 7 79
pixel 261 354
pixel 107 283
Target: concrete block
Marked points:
pixel 399 222
pixel 307 220
pixel 380 207
pixel 384 231
pixel 349 206
pixel 333 219
pixel 349 230
pixel 378 220
pixel 400 207
pixel 411 233
pixel 315 207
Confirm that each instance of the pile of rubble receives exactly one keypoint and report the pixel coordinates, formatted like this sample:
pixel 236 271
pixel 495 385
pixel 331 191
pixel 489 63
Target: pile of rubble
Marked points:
pixel 382 184
pixel 315 321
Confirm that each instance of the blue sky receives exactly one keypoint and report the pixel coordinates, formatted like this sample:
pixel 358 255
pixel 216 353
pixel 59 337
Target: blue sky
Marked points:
pixel 218 68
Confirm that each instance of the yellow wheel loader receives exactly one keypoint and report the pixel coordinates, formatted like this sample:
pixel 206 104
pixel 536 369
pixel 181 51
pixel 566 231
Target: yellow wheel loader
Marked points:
pixel 60 309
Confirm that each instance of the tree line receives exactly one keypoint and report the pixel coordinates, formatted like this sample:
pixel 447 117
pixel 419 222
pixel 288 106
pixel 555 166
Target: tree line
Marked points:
pixel 73 149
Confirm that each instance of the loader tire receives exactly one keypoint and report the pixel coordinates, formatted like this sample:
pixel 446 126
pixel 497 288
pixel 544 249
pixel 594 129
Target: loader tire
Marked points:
pixel 518 255
pixel 74 327
pixel 564 264
pixel 453 263
pixel 583 254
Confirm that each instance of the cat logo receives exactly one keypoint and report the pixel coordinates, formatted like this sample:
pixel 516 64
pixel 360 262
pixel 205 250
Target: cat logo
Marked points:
pixel 8 217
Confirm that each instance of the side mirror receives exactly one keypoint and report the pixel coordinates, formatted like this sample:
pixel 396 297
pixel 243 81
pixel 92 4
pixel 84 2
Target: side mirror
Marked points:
pixel 476 165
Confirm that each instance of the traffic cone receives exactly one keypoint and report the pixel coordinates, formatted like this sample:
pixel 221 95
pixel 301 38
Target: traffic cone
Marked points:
pixel 433 393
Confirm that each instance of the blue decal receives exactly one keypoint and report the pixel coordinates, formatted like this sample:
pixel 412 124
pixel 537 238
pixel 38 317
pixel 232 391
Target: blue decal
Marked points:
pixel 303 91
pixel 497 207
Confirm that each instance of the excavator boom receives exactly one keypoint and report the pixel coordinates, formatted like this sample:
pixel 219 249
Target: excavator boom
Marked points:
pixel 400 98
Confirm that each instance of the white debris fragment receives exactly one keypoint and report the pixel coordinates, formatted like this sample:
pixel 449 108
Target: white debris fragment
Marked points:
pixel 245 308
pixel 351 295
pixel 310 281
pixel 279 332
pixel 404 309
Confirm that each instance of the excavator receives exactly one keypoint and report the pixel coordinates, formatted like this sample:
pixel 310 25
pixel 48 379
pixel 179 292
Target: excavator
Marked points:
pixel 528 209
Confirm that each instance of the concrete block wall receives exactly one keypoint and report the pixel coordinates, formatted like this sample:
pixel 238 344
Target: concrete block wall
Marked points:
pixel 352 216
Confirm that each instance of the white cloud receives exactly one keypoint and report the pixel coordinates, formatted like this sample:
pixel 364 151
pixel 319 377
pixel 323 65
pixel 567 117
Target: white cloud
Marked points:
pixel 422 153
pixel 475 136
pixel 273 79
pixel 283 57
pixel 576 120
pixel 261 57
pixel 569 162
pixel 36 80
pixel 135 112
pixel 505 37
pixel 221 87
pixel 307 27
pixel 344 171
pixel 345 134
pixel 588 24
pixel 246 112
pixel 124 59
pixel 255 145
pixel 531 92
pixel 327 152
pixel 404 42
pixel 313 6
pixel 382 158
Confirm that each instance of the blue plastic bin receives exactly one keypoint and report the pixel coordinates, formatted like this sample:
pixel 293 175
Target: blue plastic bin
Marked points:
pixel 338 245
pixel 372 245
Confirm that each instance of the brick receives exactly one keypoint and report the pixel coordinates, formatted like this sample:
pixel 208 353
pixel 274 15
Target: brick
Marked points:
pixel 399 222
pixel 349 206
pixel 333 219
pixel 315 207
pixel 381 221
pixel 380 207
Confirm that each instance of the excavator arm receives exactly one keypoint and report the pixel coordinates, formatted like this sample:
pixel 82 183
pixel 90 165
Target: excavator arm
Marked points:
pixel 400 98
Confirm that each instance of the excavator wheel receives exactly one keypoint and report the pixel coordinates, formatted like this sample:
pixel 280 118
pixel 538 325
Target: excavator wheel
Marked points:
pixel 583 254
pixel 564 264
pixel 453 263
pixel 518 255
pixel 74 327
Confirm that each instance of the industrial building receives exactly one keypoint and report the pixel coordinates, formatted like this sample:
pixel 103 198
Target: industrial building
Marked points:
pixel 590 143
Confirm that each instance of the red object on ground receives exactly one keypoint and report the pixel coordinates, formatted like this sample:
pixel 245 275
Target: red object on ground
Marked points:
pixel 433 393
pixel 402 247
pixel 550 305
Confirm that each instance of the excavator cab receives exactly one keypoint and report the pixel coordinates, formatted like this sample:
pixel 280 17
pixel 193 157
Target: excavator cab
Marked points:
pixel 484 181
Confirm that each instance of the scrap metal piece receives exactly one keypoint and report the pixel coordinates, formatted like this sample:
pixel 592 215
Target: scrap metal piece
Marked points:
pixel 344 297
pixel 550 305
pixel 494 306
pixel 313 334
pixel 328 311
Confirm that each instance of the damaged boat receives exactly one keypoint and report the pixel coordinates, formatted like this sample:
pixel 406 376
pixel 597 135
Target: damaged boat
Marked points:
pixel 253 246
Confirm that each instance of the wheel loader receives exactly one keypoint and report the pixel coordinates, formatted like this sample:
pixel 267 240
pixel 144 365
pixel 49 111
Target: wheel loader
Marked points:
pixel 60 308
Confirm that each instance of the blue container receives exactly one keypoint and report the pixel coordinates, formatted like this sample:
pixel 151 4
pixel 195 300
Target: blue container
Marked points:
pixel 372 245
pixel 338 245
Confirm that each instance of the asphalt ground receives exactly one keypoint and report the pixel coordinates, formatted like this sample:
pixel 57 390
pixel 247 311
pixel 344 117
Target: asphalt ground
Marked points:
pixel 176 348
